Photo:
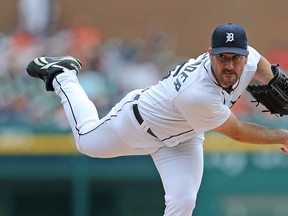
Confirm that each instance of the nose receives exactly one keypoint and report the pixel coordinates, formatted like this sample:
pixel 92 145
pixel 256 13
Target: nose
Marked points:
pixel 229 64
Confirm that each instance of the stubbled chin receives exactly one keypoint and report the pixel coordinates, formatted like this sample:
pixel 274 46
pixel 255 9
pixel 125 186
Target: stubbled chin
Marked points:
pixel 230 78
pixel 229 81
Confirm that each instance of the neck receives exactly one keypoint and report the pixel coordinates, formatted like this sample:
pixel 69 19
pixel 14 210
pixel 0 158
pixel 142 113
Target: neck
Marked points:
pixel 228 90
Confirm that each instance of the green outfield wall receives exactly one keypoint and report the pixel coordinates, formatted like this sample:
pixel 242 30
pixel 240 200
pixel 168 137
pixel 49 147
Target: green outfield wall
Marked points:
pixel 45 175
pixel 62 144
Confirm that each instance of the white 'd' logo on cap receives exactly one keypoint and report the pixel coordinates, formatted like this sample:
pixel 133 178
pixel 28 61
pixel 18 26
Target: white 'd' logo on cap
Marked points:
pixel 229 37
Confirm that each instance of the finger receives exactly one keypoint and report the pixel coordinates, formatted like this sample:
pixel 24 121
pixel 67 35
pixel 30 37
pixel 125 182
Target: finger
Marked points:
pixel 284 150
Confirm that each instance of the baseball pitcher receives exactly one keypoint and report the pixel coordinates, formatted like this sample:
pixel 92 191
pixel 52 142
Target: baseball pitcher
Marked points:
pixel 168 120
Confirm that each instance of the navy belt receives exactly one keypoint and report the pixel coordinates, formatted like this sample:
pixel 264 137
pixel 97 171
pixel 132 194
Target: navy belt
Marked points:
pixel 139 117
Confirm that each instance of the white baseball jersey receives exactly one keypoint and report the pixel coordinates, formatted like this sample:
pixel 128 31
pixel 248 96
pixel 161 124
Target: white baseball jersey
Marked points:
pixel 189 101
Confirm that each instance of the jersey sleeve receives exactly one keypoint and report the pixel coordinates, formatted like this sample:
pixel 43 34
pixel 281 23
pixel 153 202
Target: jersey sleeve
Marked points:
pixel 253 58
pixel 204 111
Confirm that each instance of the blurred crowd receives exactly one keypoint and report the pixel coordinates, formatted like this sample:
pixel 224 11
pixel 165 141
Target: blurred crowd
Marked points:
pixel 111 68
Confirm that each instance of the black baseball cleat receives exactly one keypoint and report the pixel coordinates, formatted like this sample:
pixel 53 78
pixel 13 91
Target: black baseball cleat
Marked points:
pixel 47 68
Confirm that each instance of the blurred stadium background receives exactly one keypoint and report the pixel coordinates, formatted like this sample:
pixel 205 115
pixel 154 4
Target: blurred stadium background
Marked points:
pixel 126 45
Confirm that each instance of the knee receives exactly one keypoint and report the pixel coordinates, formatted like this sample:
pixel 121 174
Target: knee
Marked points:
pixel 90 148
pixel 87 147
pixel 180 205
pixel 83 148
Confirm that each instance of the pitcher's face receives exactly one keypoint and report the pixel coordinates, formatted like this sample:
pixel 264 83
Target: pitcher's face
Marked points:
pixel 227 67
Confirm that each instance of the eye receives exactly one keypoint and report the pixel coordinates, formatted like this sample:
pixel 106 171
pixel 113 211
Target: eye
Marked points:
pixel 236 57
pixel 221 57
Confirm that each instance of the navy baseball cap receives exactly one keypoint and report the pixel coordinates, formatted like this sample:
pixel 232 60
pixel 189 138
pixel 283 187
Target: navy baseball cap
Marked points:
pixel 229 38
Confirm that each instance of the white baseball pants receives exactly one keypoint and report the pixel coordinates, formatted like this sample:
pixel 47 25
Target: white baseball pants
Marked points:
pixel 119 134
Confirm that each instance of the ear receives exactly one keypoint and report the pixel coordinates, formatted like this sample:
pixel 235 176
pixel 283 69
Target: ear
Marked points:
pixel 209 51
pixel 246 60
